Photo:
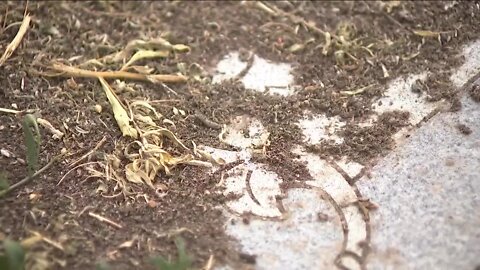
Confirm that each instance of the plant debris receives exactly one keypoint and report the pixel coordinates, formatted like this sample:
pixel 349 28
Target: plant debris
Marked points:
pixel 69 71
pixel 16 41
pixel 119 111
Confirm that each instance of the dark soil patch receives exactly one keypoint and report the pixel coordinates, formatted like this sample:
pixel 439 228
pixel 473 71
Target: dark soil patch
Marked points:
pixel 363 144
pixel 190 199
pixel 464 129
pixel 475 92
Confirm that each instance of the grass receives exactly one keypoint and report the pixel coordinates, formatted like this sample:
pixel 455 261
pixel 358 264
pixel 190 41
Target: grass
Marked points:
pixel 183 262
pixel 32 143
pixel 13 257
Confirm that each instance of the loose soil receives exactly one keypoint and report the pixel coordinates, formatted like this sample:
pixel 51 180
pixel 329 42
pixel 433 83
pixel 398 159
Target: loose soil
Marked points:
pixel 190 198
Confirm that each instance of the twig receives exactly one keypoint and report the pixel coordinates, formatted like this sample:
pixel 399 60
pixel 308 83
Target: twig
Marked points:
pixel 72 169
pixel 222 180
pixel 16 40
pixel 86 155
pixel 356 92
pixel 403 27
pixel 9 26
pixel 31 241
pixel 83 210
pixel 5 19
pixel 210 263
pixel 57 134
pixel 48 241
pixel 247 68
pixel 5 110
pixel 69 71
pixel 169 89
pixel 157 101
pixel 265 8
pixel 30 178
pixel 106 220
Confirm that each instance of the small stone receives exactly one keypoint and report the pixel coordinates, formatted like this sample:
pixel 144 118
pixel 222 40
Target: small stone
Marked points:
pixel 5 153
pixel 152 204
pixel 98 108
pixel 322 217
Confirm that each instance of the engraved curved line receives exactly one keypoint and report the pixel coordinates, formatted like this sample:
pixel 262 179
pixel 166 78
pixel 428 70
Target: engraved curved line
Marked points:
pixel 347 253
pixel 368 227
pixel 249 187
pixel 335 205
pixel 365 213
pixel 255 216
pixel 285 215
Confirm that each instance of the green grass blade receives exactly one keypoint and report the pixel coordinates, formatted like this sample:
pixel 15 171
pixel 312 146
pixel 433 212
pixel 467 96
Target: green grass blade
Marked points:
pixel 183 262
pixel 102 266
pixel 32 142
pixel 14 258
pixel 3 181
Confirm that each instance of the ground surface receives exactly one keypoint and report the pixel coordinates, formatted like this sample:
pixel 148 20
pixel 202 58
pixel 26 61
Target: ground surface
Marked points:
pixel 385 48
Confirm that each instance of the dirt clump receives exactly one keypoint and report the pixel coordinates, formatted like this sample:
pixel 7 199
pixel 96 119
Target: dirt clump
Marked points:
pixel 362 144
pixel 464 129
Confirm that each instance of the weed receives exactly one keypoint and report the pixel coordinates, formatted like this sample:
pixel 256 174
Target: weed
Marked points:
pixel 32 142
pixel 183 261
pixel 13 256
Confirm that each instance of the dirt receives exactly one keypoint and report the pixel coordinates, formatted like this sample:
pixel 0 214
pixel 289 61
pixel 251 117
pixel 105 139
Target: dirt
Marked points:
pixel 464 129
pixel 475 92
pixel 190 198
pixel 362 144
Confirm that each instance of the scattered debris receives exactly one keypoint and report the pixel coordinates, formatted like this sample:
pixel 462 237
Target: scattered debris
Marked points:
pixel 57 134
pixel 89 153
pixel 356 92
